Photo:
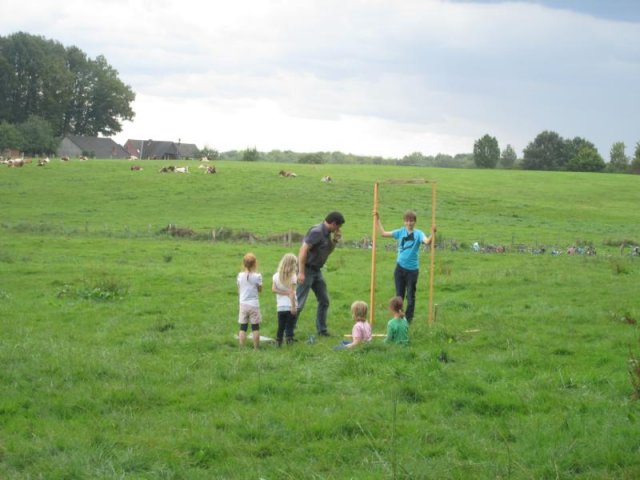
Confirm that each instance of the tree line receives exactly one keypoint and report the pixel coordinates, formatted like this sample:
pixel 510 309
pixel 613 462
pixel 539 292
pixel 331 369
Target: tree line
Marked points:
pixel 549 151
pixel 48 90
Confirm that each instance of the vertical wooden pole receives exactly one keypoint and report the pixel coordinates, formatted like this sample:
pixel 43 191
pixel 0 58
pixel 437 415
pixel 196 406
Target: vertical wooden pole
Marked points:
pixel 433 251
pixel 372 288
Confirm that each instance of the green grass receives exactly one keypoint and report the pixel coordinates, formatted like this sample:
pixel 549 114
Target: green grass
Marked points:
pixel 118 350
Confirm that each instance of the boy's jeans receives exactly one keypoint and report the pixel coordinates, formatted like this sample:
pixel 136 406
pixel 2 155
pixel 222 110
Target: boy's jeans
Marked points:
pixel 406 283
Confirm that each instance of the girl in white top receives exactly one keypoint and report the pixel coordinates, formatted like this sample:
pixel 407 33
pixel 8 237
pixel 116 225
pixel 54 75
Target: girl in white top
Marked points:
pixel 284 286
pixel 249 286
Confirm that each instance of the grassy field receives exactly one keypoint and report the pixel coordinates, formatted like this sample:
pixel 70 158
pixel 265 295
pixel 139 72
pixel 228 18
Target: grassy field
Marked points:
pixel 118 349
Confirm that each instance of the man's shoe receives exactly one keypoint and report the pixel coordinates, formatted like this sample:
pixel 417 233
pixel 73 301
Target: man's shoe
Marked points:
pixel 324 334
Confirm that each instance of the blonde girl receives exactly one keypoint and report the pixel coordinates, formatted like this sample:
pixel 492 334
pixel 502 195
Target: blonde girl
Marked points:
pixel 284 286
pixel 249 283
pixel 361 331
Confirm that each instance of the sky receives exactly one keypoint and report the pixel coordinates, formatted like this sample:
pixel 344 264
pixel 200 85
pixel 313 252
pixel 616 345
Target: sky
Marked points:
pixel 368 77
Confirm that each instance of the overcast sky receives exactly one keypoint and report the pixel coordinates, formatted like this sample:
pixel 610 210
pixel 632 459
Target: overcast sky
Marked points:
pixel 370 77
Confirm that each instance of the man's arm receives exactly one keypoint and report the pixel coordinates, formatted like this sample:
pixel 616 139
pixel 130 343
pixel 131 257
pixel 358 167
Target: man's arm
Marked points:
pixel 302 260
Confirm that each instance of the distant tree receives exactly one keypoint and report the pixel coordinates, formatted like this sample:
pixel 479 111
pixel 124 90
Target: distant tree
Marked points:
pixel 635 163
pixel 315 158
pixel 460 160
pixel 586 160
pixel 574 146
pixel 618 160
pixel 546 152
pixel 73 93
pixel 413 159
pixel 38 136
pixel 210 153
pixel 486 152
pixel 508 157
pixel 250 155
pixel 10 137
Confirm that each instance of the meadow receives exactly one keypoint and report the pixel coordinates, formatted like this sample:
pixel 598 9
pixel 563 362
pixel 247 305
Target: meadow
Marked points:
pixel 117 333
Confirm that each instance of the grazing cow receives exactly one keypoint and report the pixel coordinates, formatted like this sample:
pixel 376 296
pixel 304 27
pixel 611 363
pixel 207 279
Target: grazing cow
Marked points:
pixel 136 168
pixel 15 163
pixel 326 179
pixel 168 169
pixel 211 169
pixel 43 161
pixel 284 173
pixel 204 159
pixel 83 158
pixel 64 159
pixel 181 170
pixel 133 157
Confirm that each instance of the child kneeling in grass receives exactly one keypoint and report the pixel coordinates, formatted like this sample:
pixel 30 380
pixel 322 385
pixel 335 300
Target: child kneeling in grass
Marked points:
pixel 397 327
pixel 361 331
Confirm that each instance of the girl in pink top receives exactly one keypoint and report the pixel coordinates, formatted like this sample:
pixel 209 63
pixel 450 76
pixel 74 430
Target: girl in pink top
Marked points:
pixel 361 331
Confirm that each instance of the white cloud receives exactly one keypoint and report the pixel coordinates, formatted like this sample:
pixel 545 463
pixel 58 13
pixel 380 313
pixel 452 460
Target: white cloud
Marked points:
pixel 375 77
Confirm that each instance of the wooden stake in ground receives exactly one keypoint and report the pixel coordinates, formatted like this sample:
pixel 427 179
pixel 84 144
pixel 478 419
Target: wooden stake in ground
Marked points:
pixel 433 251
pixel 372 291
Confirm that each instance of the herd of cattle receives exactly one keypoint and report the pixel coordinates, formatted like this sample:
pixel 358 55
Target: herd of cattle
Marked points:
pixel 204 165
pixel 21 162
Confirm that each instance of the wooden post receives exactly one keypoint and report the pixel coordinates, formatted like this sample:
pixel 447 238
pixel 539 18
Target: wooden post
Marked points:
pixel 433 251
pixel 372 291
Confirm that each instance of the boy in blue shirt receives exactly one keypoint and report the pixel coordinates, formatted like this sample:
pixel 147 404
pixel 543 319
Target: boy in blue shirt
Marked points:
pixel 409 240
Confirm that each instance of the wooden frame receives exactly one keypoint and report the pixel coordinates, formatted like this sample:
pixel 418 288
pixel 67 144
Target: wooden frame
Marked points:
pixel 372 292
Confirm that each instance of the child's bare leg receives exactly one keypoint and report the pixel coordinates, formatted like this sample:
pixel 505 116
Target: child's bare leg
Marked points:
pixel 242 336
pixel 256 338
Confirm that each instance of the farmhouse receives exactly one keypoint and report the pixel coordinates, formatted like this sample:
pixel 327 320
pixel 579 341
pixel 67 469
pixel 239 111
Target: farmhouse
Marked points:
pixel 160 150
pixel 97 147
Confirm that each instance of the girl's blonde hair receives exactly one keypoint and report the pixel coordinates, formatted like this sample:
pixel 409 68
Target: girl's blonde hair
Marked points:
pixel 359 310
pixel 396 305
pixel 287 268
pixel 249 262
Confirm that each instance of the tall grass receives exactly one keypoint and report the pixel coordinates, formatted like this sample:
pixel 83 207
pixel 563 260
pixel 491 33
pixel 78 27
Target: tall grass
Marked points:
pixel 119 357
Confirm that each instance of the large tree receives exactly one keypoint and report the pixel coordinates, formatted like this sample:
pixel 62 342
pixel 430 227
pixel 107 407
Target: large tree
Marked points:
pixel 508 157
pixel 71 92
pixel 486 152
pixel 574 146
pixel 635 163
pixel 38 136
pixel 618 160
pixel 10 137
pixel 586 160
pixel 546 152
